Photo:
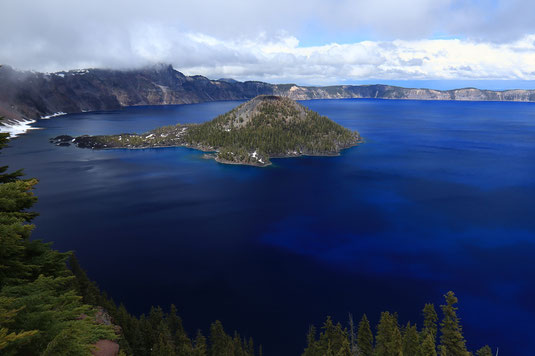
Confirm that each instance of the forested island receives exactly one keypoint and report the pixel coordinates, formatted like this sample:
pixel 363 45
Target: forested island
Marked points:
pixel 252 133
pixel 49 307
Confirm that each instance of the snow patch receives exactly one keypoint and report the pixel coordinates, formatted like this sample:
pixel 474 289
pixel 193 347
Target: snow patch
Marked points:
pixel 60 113
pixel 17 128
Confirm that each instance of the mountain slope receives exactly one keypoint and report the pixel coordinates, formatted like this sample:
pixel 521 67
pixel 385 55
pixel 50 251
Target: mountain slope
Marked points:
pixel 29 96
pixel 252 133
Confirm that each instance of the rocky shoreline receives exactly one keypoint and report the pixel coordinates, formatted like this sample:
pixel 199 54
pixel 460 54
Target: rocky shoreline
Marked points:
pixel 85 142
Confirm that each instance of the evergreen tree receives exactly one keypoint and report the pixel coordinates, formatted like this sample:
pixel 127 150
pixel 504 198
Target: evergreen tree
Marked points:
pixel 484 351
pixel 200 348
pixel 6 318
pixel 411 342
pixel 365 337
pixel 430 320
pixel 312 348
pixel 428 346
pixel 41 312
pixel 334 340
pixel 4 176
pixel 174 322
pixel 220 342
pixel 388 340
pixel 452 342
pixel 164 345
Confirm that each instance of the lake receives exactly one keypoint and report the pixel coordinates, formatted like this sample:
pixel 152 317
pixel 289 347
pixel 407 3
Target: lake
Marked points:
pixel 440 197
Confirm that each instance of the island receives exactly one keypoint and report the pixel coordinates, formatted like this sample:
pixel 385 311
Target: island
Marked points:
pixel 262 128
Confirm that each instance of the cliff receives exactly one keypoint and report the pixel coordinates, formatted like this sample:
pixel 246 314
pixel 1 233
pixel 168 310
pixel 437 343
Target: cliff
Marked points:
pixel 30 95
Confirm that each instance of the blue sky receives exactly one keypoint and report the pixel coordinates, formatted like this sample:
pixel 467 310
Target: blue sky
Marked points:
pixel 433 43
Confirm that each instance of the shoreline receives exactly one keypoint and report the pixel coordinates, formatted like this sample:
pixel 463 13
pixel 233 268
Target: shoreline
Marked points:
pixel 207 153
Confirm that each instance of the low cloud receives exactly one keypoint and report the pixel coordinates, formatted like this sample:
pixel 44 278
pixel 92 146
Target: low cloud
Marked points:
pixel 307 42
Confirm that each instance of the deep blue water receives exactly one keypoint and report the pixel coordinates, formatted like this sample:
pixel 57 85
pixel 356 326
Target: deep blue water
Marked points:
pixel 440 197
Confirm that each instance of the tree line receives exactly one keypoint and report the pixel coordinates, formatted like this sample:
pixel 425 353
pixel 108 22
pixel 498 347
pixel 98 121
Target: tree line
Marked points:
pixel 390 339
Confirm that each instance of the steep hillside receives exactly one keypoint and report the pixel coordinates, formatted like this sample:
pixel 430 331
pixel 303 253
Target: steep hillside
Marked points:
pixel 27 96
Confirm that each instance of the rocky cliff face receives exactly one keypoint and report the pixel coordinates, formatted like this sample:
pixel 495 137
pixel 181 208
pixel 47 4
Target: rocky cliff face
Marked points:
pixel 29 95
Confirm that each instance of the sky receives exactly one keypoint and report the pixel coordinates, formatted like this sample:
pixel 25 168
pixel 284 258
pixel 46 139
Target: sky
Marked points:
pixel 433 43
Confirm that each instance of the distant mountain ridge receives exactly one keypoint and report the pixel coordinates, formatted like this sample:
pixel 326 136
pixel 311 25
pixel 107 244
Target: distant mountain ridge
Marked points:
pixel 31 95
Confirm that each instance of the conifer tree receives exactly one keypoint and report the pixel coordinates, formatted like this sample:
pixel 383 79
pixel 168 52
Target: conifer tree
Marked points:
pixel 452 342
pixel 388 340
pixel 200 348
pixel 365 337
pixel 164 345
pixel 174 322
pixel 411 342
pixel 334 340
pixel 430 320
pixel 6 318
pixel 220 342
pixel 484 351
pixel 312 348
pixel 428 346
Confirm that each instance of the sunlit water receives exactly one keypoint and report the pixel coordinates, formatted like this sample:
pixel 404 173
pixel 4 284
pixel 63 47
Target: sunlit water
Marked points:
pixel 440 197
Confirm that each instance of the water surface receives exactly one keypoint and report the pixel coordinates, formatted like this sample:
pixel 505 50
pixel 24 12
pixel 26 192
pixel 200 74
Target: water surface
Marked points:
pixel 440 197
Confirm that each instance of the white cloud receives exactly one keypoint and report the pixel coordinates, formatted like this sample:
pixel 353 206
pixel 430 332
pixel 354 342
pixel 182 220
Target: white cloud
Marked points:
pixel 483 39
pixel 285 60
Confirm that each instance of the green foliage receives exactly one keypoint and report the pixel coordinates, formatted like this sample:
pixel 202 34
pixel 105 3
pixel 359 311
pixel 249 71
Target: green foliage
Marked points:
pixel 201 348
pixel 430 320
pixel 411 340
pixel 6 318
pixel 41 313
pixel 275 127
pixel 452 342
pixel 391 340
pixel 388 340
pixel 333 341
pixel 484 351
pixel 365 337
pixel 428 346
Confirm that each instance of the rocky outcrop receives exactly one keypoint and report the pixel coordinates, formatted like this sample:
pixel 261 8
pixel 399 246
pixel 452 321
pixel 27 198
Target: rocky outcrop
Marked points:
pixel 26 96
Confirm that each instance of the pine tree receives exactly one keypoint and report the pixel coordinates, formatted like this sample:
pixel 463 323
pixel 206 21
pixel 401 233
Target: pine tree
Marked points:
pixel 164 345
pixel 6 318
pixel 411 343
pixel 428 346
pixel 312 348
pixel 484 351
pixel 334 340
pixel 174 322
pixel 430 320
pixel 388 340
pixel 40 309
pixel 200 348
pixel 452 342
pixel 7 177
pixel 220 342
pixel 365 337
